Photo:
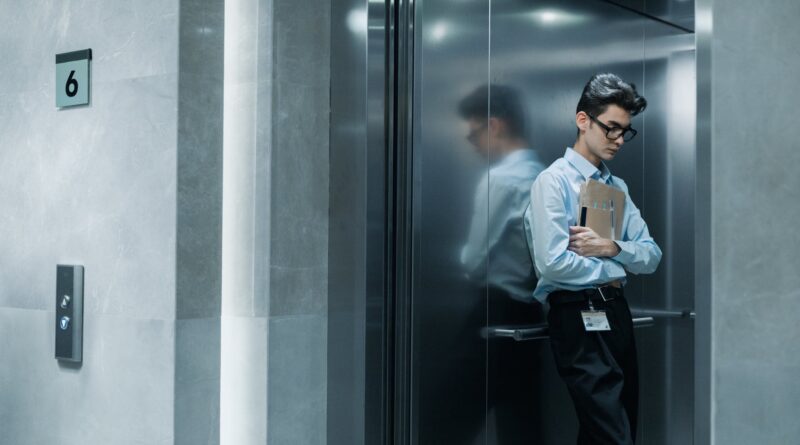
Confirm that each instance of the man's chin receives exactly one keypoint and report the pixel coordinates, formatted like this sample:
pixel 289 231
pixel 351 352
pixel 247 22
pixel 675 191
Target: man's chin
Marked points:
pixel 609 155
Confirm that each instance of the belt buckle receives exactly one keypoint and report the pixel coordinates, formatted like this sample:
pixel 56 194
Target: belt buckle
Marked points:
pixel 602 295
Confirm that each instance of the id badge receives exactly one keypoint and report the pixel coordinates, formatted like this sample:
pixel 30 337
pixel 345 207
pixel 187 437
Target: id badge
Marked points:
pixel 595 321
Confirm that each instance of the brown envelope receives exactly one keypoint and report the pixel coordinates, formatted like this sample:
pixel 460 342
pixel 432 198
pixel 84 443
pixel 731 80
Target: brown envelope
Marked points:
pixel 602 208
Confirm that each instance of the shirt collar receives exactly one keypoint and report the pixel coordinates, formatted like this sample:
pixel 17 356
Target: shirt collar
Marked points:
pixel 586 168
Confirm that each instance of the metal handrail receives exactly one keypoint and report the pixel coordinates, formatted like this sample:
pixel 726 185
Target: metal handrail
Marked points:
pixel 661 313
pixel 642 318
pixel 538 332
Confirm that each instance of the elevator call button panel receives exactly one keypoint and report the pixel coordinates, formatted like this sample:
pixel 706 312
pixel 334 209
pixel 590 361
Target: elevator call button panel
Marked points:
pixel 69 313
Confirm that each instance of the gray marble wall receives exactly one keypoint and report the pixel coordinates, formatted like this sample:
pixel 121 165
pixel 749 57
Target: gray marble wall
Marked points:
pixel 199 222
pixel 129 187
pixel 755 194
pixel 298 268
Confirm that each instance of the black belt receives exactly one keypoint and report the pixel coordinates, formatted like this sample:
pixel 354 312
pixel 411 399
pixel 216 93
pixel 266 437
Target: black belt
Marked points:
pixel 602 293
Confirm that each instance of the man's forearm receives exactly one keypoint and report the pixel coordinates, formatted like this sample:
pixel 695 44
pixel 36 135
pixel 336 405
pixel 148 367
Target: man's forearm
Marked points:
pixel 639 256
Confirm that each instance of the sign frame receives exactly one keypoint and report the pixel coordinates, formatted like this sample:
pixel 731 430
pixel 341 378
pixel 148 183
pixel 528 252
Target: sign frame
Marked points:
pixel 73 78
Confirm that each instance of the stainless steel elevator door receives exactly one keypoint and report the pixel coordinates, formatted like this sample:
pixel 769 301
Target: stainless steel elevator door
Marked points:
pixel 467 387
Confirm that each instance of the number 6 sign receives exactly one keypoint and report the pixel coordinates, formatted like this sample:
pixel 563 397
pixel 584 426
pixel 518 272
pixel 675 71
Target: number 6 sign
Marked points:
pixel 72 78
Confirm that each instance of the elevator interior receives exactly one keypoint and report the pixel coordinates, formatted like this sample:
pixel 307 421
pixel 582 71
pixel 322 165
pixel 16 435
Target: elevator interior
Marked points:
pixel 421 349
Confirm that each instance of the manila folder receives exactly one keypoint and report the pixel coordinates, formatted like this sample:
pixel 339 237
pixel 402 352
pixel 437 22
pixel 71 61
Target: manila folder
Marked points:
pixel 602 208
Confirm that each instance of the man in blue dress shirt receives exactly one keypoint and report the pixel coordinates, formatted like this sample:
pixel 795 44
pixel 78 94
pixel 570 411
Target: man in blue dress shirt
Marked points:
pixel 582 274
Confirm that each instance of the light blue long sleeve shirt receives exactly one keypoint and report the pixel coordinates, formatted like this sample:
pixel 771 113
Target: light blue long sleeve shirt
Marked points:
pixel 554 208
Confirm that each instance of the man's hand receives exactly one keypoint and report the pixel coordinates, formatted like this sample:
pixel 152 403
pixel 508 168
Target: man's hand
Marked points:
pixel 585 242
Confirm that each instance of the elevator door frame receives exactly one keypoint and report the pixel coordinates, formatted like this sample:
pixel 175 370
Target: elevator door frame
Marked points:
pixel 400 78
pixel 377 299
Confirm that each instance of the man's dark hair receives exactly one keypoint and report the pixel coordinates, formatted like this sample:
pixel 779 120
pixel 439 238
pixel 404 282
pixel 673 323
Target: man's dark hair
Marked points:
pixel 606 89
pixel 502 102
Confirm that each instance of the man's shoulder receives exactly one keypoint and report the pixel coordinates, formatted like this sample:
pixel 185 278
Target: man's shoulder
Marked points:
pixel 556 170
pixel 619 182
pixel 555 175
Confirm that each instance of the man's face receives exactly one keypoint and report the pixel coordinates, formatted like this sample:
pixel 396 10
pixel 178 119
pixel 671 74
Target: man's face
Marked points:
pixel 478 135
pixel 595 135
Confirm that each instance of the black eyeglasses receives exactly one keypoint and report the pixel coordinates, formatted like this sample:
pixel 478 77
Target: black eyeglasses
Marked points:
pixel 613 133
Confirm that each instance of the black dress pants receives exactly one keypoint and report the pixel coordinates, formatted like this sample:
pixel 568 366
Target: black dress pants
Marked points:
pixel 599 368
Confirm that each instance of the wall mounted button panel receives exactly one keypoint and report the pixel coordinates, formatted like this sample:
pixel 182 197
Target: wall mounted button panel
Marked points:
pixel 69 313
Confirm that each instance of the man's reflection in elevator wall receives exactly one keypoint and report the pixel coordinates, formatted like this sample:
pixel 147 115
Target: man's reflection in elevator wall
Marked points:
pixel 496 257
pixel 496 249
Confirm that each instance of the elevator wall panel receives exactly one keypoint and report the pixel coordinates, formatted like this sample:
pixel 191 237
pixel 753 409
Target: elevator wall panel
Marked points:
pixel 677 12
pixel 350 363
pixel 544 52
pixel 449 301
pixel 666 356
pixel 548 50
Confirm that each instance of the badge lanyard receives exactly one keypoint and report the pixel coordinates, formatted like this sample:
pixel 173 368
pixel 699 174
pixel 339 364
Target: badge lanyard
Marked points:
pixel 594 320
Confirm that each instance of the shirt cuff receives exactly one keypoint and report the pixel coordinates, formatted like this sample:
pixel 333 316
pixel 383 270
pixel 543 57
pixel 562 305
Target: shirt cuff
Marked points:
pixel 626 252
pixel 613 271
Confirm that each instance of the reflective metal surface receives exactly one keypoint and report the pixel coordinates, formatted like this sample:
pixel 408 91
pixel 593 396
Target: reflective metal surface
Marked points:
pixel 677 12
pixel 545 51
pixel 666 354
pixel 448 398
pixel 702 228
pixel 540 332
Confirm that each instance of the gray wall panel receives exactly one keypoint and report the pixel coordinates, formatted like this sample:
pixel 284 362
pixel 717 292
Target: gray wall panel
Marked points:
pixel 94 185
pixel 198 244
pixel 299 188
pixel 199 169
pixel 129 39
pixel 297 408
pixel 754 198
pixel 298 221
pixel 123 393
pixel 197 381
pixel 103 186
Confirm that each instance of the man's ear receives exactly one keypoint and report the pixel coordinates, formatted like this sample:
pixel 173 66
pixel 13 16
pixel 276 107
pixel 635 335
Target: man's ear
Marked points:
pixel 582 121
pixel 496 126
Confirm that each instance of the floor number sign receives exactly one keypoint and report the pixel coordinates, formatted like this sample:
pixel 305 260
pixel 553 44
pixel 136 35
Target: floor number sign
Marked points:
pixel 72 78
